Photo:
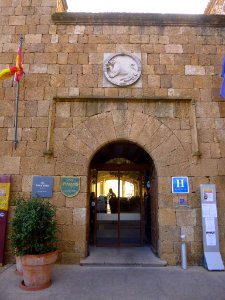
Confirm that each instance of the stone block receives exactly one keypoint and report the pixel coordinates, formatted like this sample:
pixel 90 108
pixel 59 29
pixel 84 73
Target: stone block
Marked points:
pixel 69 233
pixel 80 216
pixel 206 167
pixel 16 184
pixel 195 70
pixel 10 165
pixel 64 216
pixel 45 58
pixel 39 122
pixel 164 185
pixel 57 81
pixel 153 59
pixel 221 166
pixel 154 81
pixel 62 58
pixel 171 258
pixel 53 69
pixel 188 231
pixel 63 109
pixel 158 48
pixel 35 148
pixel 54 39
pixel 166 59
pixel 10 47
pixel 36 166
pixel 181 82
pixel 167 217
pixel 87 80
pixel 70 258
pixel 11 134
pixel 186 217
pixel 166 247
pixel 66 70
pixel 80 201
pixel 35 93
pixel 58 199
pixel 207 110
pixel 17 20
pixel 29 134
pixel 175 69
pixel 164 110
pixel 169 233
pixel 27 183
pixel 219 181
pixel 182 59
pixel 96 58
pixel 80 234
pixel 79 29
pixel 202 81
pixel 139 39
pixel 33 38
pixel 39 68
pixel 173 48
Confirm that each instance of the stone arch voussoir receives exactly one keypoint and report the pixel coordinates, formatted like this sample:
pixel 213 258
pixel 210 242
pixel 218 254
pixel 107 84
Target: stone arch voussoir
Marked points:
pixel 157 139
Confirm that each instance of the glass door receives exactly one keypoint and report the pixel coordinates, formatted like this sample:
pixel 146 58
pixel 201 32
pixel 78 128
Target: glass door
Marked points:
pixel 118 208
pixel 107 216
pixel 130 208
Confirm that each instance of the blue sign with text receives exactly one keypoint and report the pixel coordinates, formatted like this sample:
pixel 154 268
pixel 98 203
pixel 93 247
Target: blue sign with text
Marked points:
pixel 180 185
pixel 42 186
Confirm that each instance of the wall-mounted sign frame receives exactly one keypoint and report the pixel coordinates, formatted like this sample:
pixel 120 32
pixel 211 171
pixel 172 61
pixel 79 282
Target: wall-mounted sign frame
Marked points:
pixel 212 258
pixel 70 186
pixel 180 185
pixel 4 205
pixel 42 186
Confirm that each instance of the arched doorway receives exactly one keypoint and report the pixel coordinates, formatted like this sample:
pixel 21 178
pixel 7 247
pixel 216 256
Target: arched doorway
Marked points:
pixel 123 197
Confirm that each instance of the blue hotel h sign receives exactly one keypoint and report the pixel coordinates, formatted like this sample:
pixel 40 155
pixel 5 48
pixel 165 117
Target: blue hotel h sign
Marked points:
pixel 180 185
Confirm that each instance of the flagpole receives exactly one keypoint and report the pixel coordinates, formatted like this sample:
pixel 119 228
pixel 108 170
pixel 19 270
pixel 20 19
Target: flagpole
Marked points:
pixel 15 142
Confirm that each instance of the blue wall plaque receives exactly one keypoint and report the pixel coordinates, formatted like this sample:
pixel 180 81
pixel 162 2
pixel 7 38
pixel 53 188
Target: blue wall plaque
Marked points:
pixel 42 186
pixel 180 185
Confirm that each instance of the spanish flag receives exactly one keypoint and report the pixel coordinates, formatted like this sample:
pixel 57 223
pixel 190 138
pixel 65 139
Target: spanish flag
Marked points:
pixel 16 70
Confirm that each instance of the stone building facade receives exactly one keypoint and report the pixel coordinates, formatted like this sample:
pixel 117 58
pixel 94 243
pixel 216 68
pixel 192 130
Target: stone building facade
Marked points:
pixel 216 7
pixel 69 111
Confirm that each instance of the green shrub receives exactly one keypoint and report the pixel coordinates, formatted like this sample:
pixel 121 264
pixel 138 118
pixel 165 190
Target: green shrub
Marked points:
pixel 34 227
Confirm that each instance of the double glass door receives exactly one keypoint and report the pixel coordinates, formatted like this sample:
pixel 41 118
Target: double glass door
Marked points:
pixel 118 208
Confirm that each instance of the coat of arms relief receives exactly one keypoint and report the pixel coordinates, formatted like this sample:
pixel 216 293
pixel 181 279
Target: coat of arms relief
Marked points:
pixel 122 69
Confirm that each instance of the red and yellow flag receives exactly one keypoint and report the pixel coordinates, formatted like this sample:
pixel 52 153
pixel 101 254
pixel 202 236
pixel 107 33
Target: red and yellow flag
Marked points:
pixel 16 70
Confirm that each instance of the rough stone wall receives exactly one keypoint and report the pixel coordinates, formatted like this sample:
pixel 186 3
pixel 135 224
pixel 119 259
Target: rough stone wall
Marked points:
pixel 216 7
pixel 175 116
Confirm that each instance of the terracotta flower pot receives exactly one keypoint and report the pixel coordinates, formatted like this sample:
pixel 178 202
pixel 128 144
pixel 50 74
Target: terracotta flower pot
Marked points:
pixel 19 267
pixel 37 270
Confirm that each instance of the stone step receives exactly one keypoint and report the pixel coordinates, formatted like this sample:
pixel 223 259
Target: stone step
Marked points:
pixel 114 257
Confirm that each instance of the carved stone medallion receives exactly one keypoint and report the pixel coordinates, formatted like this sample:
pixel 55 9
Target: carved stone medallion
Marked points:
pixel 122 69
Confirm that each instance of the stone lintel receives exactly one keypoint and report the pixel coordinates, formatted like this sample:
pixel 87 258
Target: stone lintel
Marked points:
pixel 118 99
pixel 139 19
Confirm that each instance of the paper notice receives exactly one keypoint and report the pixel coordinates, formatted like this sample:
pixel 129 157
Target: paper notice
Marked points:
pixel 213 210
pixel 205 210
pixel 208 195
pixel 210 238
pixel 210 224
pixel 209 210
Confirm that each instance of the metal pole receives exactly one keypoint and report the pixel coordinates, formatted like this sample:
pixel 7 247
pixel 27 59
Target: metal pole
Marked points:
pixel 183 253
pixel 15 142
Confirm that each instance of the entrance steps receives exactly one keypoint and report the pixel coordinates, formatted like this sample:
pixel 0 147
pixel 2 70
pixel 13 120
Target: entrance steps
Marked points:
pixel 129 257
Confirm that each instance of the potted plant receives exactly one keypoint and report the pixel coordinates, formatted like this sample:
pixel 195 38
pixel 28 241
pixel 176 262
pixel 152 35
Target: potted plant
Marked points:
pixel 33 238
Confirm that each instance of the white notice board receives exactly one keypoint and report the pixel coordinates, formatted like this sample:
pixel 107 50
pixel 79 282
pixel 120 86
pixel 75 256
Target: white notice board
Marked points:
pixel 212 257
